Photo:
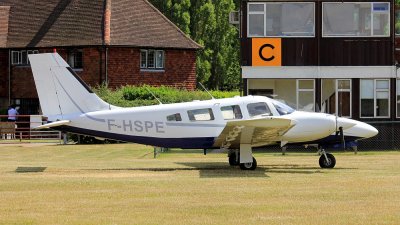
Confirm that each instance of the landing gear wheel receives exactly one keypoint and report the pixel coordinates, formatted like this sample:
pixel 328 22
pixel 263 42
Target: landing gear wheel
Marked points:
pixel 249 166
pixel 233 161
pixel 330 163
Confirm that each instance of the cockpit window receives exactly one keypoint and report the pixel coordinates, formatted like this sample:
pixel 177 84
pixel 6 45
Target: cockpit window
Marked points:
pixel 201 114
pixel 231 112
pixel 257 109
pixel 282 108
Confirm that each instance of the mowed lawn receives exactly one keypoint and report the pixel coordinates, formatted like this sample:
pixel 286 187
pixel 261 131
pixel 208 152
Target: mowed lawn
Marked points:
pixel 123 184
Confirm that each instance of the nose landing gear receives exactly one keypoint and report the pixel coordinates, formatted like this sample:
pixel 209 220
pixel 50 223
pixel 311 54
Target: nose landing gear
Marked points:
pixel 327 160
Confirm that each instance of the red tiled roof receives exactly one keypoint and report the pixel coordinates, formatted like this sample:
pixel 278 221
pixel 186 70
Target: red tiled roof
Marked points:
pixel 48 23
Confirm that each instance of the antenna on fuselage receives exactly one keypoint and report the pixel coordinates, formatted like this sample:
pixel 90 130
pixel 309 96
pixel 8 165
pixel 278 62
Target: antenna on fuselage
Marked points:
pixel 206 90
pixel 153 95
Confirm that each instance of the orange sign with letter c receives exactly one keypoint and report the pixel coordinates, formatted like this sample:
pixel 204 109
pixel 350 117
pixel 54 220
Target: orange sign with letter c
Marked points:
pixel 266 52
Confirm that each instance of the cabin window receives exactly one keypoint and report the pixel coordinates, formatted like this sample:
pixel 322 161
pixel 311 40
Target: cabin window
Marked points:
pixel 356 19
pixel 285 19
pixel 75 59
pixel 305 95
pixel 231 112
pixel 398 97
pixel 374 97
pixel 21 57
pixel 174 117
pixel 259 108
pixel 201 114
pixel 152 59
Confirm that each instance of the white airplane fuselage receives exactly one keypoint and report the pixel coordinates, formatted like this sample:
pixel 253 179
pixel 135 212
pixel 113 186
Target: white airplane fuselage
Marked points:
pixel 149 124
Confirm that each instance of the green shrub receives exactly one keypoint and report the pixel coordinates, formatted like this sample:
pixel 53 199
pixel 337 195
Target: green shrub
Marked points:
pixel 3 112
pixel 130 96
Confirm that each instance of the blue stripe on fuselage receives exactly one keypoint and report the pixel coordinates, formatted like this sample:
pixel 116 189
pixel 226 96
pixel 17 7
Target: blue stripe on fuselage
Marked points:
pixel 188 143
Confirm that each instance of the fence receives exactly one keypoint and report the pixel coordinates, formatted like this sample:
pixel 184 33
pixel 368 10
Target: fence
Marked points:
pixel 22 130
pixel 387 139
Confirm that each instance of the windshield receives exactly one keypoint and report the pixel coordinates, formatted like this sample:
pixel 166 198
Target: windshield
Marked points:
pixel 282 108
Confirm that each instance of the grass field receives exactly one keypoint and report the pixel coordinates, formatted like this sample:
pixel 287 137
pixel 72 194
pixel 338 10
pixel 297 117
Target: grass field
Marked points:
pixel 123 184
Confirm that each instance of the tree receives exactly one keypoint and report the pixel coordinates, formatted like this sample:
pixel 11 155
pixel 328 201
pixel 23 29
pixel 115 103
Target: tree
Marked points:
pixel 206 22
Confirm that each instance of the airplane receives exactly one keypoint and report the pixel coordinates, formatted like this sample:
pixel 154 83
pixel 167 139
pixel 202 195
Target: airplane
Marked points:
pixel 235 124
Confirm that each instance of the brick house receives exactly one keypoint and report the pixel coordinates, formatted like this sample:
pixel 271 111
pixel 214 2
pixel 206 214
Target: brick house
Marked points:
pixel 119 42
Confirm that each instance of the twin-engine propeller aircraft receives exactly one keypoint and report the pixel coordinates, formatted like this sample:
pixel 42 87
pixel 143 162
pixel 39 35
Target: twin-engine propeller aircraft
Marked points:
pixel 237 124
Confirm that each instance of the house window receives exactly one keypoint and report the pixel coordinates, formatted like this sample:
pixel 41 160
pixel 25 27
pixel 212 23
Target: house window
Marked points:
pixel 361 19
pixel 21 57
pixel 305 95
pixel 75 59
pixel 152 59
pixel 374 97
pixel 287 19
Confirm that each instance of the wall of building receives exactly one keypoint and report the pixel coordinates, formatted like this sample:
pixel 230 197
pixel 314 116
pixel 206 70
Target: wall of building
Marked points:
pixel 3 79
pixel 326 51
pixel 124 68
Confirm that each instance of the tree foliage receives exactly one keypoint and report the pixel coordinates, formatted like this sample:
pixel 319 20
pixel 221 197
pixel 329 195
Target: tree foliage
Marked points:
pixel 207 22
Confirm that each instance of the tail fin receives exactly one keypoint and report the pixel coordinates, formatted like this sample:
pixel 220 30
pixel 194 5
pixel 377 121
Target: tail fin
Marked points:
pixel 61 91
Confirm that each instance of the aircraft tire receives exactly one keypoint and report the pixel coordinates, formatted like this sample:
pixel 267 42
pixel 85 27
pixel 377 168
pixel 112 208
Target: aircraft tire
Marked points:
pixel 249 166
pixel 233 161
pixel 327 164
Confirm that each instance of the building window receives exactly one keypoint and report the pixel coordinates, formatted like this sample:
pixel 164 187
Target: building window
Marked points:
pixel 152 59
pixel 374 97
pixel 305 95
pixel 397 21
pixel 398 98
pixel 294 19
pixel 364 19
pixel 336 97
pixel 21 57
pixel 75 59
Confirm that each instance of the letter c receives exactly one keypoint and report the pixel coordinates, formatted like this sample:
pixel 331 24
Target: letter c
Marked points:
pixel 261 55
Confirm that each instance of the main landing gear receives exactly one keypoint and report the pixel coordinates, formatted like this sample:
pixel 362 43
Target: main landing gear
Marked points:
pixel 326 160
pixel 234 160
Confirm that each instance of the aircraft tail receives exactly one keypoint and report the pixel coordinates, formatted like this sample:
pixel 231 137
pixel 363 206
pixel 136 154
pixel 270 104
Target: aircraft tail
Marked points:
pixel 61 91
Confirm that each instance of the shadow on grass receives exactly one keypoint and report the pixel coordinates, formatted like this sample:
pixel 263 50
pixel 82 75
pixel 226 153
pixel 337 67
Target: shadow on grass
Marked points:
pixel 30 169
pixel 223 170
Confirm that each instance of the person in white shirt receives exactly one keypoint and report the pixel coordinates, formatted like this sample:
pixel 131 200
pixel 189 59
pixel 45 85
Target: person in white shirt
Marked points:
pixel 12 113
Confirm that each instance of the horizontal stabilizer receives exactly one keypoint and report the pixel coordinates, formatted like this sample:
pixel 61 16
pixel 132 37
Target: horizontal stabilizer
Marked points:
pixel 53 124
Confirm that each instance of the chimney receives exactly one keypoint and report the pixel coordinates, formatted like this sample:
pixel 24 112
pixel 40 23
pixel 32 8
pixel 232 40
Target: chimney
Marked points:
pixel 107 23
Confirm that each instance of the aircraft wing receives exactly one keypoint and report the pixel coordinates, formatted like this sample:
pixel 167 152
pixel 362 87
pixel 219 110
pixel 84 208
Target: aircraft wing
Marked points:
pixel 53 124
pixel 257 132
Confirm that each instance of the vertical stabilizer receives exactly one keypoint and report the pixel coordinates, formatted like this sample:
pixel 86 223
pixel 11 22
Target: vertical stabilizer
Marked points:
pixel 61 91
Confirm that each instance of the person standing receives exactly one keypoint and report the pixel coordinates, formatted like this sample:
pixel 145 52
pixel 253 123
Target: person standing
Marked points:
pixel 12 113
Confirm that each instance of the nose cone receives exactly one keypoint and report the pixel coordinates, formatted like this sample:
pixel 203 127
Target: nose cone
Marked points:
pixel 369 131
pixel 361 130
